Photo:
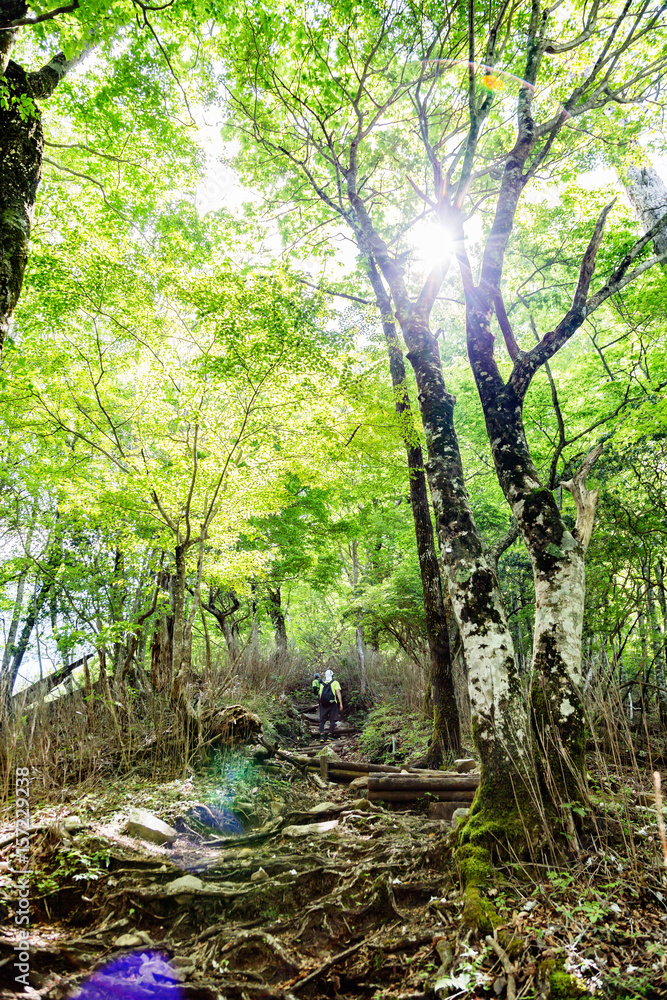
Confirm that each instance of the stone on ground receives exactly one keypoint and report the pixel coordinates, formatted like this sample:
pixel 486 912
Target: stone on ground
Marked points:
pixel 446 810
pixel 310 829
pixel 186 883
pixel 145 825
pixel 459 814
pixel 465 764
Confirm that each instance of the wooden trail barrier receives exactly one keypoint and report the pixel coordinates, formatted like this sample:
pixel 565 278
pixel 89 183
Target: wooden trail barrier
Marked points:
pixel 409 787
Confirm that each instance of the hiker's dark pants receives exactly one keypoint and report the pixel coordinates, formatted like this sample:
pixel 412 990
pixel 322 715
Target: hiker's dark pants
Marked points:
pixel 329 712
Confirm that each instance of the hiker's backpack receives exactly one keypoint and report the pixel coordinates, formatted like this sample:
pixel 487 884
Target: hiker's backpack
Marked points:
pixel 327 697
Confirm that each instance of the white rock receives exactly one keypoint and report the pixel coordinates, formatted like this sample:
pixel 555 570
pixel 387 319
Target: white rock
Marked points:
pixel 127 941
pixel 465 764
pixel 143 824
pixel 186 883
pixel 310 829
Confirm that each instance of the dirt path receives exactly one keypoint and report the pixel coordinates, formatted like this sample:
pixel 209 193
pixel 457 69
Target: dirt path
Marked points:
pixel 330 900
pixel 326 895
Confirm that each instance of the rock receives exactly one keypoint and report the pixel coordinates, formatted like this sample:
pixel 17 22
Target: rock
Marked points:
pixel 359 785
pixel 184 884
pixel 259 876
pixel 127 941
pixel 72 824
pixel 277 807
pixel 312 829
pixel 465 764
pixel 362 805
pixel 458 815
pixel 323 807
pixel 445 810
pixel 143 824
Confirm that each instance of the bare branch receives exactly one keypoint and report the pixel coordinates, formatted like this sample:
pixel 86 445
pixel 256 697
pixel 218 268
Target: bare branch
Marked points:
pixel 586 500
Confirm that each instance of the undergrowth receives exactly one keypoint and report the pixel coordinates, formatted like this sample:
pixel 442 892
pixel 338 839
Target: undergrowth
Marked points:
pixel 392 735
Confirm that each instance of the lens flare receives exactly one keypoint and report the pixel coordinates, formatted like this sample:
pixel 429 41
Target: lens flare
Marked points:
pixel 137 975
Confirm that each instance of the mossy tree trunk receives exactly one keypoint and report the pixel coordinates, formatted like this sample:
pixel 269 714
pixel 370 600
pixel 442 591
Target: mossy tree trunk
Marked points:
pixel 277 616
pixel 446 738
pixel 21 156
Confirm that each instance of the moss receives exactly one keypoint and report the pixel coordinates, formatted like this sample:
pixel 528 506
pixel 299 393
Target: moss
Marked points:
pixel 475 866
pixel 478 913
pixel 566 987
pixel 477 873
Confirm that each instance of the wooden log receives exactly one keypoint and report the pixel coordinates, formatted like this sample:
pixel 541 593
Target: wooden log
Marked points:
pixel 423 782
pixel 407 795
pixel 361 767
pixel 338 774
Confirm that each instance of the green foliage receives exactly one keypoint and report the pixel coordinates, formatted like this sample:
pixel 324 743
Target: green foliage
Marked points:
pixel 390 720
pixel 73 864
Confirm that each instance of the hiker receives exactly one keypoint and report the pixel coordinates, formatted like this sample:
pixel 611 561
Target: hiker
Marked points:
pixel 316 686
pixel 331 699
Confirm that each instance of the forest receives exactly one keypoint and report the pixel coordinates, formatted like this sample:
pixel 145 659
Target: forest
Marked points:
pixel 333 499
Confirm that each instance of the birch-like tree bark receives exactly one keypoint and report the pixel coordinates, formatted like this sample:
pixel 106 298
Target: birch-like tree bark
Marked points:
pixel 21 154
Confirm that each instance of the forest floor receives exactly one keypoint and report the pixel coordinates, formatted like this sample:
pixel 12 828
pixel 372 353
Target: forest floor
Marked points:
pixel 321 894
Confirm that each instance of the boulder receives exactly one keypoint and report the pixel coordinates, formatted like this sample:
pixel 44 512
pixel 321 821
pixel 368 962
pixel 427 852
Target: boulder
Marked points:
pixel 145 825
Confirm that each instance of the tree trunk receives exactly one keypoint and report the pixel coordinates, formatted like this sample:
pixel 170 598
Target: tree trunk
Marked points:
pixel 277 616
pixel 254 628
pixel 660 644
pixel 557 556
pixel 18 608
pixel 359 632
pixel 224 618
pixel 21 152
pixel 446 738
pixel 21 156
pixel 648 195
pixel 498 722
pixel 36 604
pixel 182 651
pixel 162 643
